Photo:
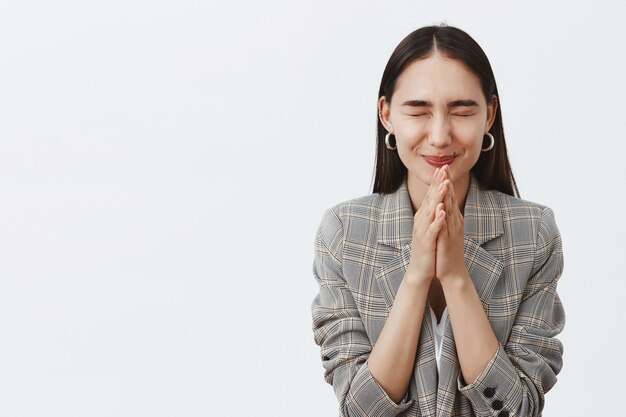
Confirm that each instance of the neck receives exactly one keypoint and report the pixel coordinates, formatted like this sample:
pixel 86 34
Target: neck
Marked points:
pixel 418 189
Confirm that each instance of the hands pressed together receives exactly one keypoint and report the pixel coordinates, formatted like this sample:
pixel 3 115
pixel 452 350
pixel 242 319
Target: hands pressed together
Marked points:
pixel 437 243
pixel 437 256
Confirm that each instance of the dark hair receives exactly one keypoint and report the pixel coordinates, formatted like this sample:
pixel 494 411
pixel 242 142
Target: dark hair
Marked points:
pixel 492 169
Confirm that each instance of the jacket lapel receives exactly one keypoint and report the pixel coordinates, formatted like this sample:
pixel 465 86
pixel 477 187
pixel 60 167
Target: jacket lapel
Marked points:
pixel 395 229
pixel 482 223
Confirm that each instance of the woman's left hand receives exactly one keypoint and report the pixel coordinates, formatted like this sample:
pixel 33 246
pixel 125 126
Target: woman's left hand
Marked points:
pixel 450 257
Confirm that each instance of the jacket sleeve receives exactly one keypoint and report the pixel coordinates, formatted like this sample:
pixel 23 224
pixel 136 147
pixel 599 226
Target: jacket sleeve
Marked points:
pixel 340 333
pixel 525 368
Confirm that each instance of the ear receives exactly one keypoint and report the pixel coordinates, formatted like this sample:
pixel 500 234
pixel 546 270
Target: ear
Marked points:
pixel 492 109
pixel 384 113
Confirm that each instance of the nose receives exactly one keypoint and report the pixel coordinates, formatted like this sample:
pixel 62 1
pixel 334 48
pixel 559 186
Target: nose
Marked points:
pixel 439 135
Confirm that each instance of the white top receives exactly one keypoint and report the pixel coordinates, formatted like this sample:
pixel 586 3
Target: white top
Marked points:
pixel 438 330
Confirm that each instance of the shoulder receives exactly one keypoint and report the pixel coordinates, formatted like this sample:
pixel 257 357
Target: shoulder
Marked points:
pixel 365 208
pixel 520 213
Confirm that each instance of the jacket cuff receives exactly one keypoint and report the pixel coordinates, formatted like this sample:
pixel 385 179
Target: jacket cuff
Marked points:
pixel 367 398
pixel 497 391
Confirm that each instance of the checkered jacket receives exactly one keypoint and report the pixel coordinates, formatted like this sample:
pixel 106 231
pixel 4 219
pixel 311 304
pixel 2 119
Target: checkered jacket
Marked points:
pixel 514 256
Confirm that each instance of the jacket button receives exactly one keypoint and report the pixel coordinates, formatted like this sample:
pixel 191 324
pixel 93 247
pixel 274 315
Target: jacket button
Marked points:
pixel 503 413
pixel 497 405
pixel 489 392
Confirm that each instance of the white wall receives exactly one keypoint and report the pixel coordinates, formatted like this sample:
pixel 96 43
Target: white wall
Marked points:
pixel 164 165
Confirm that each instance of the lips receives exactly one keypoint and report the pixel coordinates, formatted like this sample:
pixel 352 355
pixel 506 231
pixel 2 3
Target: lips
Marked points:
pixel 439 161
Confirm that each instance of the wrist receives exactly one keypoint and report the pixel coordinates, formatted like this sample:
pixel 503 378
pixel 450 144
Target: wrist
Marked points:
pixel 455 281
pixel 417 281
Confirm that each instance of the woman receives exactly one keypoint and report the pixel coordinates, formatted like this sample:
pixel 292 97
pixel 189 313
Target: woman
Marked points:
pixel 438 291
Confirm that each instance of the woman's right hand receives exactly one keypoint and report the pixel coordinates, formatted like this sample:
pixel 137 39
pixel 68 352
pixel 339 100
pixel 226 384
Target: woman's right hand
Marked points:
pixel 427 223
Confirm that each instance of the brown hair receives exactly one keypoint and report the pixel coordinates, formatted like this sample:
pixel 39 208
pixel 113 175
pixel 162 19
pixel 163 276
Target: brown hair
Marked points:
pixel 492 169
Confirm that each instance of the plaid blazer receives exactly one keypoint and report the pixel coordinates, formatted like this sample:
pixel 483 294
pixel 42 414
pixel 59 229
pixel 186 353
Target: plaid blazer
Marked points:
pixel 514 256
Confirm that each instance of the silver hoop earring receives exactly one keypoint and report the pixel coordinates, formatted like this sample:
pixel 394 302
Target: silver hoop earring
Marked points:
pixel 387 142
pixel 493 142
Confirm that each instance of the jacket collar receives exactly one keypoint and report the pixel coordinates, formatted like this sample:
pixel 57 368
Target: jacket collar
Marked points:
pixel 481 216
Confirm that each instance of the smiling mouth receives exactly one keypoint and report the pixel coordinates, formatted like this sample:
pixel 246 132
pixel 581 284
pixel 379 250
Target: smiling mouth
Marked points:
pixel 439 161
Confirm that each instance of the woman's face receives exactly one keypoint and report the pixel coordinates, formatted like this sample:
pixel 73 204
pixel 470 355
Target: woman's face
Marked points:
pixel 438 114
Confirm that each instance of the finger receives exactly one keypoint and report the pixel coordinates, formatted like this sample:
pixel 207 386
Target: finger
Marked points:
pixel 441 210
pixel 442 171
pixel 447 201
pixel 438 198
pixel 441 177
pixel 444 218
pixel 436 178
pixel 428 214
pixel 453 194
pixel 446 171
pixel 434 196
pixel 432 188
pixel 457 216
pixel 440 218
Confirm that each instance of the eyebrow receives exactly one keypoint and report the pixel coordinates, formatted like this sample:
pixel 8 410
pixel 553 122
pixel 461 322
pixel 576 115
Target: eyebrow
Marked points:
pixel 456 103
